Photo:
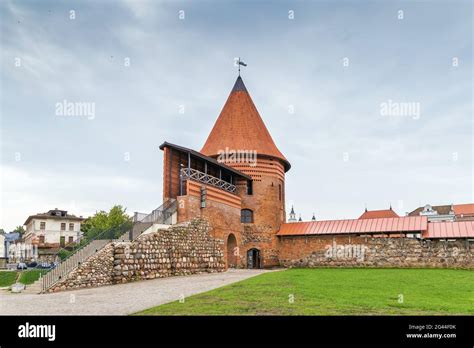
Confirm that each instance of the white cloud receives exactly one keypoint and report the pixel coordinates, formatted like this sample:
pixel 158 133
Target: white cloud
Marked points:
pixel 26 192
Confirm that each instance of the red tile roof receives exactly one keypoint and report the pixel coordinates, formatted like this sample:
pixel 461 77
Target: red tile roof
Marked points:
pixel 448 229
pixel 465 209
pixel 240 127
pixel 381 225
pixel 376 214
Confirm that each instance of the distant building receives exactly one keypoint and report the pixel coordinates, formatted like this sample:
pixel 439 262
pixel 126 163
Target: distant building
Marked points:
pixel 292 215
pixel 53 229
pixel 377 214
pixel 451 212
pixel 464 211
pixel 9 243
pixel 3 252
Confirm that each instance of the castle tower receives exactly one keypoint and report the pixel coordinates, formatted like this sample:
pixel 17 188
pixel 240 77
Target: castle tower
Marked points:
pixel 241 140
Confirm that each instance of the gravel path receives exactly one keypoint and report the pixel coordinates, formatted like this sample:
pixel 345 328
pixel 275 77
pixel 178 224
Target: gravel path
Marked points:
pixel 119 299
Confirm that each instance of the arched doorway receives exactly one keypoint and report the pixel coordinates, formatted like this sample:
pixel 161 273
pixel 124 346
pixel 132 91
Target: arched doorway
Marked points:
pixel 231 251
pixel 253 258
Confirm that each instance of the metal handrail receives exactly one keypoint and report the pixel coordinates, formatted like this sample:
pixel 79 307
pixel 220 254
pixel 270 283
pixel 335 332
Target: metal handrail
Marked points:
pixel 193 174
pixel 163 213
pixel 124 228
pixel 77 257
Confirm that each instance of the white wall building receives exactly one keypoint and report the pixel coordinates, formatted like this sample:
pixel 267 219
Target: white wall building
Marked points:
pixel 3 253
pixel 53 229
pixel 436 213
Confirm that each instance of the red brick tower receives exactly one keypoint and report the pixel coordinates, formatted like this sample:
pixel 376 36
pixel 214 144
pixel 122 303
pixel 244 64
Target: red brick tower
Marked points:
pixel 241 140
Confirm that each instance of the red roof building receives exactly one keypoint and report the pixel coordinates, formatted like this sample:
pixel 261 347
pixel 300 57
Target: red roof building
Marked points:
pixel 377 214
pixel 396 225
pixel 393 227
pixel 464 211
pixel 449 230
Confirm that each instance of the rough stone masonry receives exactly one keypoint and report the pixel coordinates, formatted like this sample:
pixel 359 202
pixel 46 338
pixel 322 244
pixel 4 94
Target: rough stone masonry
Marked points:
pixel 353 251
pixel 182 249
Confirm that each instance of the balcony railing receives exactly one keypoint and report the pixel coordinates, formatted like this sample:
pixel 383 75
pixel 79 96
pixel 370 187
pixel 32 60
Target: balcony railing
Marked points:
pixel 161 215
pixel 196 175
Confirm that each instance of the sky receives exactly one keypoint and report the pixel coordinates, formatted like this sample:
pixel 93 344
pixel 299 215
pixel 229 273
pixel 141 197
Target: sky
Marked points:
pixel 370 101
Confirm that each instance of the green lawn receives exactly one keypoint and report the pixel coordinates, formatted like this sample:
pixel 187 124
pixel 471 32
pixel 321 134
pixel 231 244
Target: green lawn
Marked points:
pixel 336 292
pixel 7 278
pixel 30 276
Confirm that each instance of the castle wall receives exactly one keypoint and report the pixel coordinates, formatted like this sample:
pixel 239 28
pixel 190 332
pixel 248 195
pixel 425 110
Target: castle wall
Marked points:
pixel 267 202
pixel 180 250
pixel 353 251
pixel 222 211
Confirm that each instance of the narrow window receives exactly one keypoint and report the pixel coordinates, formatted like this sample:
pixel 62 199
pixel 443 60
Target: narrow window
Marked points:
pixel 249 187
pixel 246 216
pixel 279 192
pixel 41 239
pixel 42 225
pixel 63 226
pixel 70 240
pixel 71 227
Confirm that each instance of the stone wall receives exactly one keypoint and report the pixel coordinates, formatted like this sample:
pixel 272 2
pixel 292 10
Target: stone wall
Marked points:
pixel 182 249
pixel 353 251
pixel 95 271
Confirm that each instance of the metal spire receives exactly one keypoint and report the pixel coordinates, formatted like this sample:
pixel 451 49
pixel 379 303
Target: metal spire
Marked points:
pixel 239 63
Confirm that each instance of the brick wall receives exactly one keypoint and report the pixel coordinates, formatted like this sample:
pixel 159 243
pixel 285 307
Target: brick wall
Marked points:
pixel 223 214
pixel 268 215
pixel 353 251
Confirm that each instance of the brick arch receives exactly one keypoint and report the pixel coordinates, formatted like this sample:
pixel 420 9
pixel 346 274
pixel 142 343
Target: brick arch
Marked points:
pixel 231 244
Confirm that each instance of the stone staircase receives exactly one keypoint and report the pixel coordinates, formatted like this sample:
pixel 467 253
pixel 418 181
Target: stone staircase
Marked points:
pixel 141 222
pixel 56 274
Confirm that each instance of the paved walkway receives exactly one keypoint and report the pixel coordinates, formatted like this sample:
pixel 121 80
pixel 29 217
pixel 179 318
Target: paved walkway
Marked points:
pixel 119 299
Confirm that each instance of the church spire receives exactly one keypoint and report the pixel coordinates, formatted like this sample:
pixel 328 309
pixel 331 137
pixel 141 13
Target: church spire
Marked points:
pixel 292 215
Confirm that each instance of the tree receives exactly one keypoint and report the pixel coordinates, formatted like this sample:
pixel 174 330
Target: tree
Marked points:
pixel 107 224
pixel 2 231
pixel 20 230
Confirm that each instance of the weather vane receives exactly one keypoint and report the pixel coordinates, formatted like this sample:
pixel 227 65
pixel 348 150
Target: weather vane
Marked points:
pixel 240 63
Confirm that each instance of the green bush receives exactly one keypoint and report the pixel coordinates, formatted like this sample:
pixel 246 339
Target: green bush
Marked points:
pixel 64 254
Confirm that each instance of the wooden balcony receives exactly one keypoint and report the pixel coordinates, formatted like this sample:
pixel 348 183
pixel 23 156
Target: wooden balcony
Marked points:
pixel 196 175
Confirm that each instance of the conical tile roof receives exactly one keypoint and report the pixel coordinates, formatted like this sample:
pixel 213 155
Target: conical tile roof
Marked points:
pixel 240 127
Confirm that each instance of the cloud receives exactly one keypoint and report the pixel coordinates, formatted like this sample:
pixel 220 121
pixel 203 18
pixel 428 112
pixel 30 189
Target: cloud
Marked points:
pixel 175 63
pixel 26 192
